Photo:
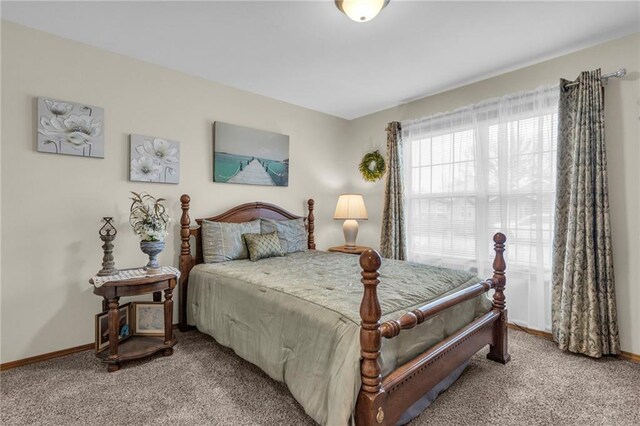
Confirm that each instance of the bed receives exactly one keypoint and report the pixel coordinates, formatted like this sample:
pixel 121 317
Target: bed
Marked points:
pixel 346 355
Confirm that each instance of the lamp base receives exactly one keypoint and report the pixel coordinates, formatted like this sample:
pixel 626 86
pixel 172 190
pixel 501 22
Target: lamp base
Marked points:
pixel 350 230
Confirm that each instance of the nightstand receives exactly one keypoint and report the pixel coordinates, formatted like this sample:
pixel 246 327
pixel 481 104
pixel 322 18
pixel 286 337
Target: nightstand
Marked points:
pixel 136 346
pixel 343 249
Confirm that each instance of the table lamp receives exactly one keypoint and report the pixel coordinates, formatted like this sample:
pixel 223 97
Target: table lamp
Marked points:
pixel 350 208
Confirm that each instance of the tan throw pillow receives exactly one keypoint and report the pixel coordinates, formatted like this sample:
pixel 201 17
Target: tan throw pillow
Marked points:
pixel 261 246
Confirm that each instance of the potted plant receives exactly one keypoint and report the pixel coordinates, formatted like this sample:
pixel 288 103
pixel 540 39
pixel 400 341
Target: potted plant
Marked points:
pixel 149 220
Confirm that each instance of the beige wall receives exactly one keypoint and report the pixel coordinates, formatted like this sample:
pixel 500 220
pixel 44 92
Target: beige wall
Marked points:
pixel 623 148
pixel 52 204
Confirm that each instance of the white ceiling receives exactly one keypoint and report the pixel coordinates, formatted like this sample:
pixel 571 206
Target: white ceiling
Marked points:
pixel 309 54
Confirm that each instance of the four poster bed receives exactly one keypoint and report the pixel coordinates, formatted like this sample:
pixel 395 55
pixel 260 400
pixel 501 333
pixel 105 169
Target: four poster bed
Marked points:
pixel 296 318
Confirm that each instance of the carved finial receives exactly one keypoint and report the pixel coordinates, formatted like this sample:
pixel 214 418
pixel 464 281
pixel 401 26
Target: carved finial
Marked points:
pixel 370 313
pixel 499 266
pixel 185 222
pixel 372 397
pixel 498 351
pixel 311 240
pixel 370 261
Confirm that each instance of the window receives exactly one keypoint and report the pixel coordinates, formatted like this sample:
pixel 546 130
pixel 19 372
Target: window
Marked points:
pixel 479 170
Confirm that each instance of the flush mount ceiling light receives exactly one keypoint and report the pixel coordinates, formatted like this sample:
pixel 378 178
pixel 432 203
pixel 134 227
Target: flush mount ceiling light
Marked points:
pixel 361 10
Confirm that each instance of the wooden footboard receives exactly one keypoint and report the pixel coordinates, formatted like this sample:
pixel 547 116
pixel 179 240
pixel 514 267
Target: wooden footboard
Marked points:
pixel 382 401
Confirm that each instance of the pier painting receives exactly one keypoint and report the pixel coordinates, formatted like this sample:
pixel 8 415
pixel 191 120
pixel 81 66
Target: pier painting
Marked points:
pixel 249 156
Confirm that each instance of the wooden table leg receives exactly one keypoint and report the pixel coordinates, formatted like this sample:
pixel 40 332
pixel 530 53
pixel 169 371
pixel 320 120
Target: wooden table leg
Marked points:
pixel 114 330
pixel 168 320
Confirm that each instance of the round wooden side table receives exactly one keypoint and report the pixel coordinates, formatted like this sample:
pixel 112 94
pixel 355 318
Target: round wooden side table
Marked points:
pixel 136 346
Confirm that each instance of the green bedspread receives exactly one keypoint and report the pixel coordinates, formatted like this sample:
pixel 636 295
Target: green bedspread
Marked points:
pixel 297 318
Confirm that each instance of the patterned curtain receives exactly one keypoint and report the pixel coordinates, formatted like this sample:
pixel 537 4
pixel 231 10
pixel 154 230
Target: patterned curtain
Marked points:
pixel 584 314
pixel 393 241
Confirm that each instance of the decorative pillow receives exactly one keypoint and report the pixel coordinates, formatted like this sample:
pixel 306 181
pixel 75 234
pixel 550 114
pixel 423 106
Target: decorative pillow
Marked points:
pixel 292 233
pixel 223 241
pixel 261 246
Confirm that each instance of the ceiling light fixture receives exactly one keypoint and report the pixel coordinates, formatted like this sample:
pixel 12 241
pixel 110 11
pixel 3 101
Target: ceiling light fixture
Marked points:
pixel 361 10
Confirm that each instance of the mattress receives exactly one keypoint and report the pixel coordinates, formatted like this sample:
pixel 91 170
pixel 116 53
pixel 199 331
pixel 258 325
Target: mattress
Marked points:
pixel 297 318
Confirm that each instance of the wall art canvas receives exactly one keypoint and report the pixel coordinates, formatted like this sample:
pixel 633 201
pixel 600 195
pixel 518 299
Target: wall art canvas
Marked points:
pixel 249 156
pixel 154 160
pixel 148 318
pixel 70 128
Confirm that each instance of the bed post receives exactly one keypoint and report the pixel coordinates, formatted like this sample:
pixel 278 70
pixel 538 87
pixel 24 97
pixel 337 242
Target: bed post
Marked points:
pixel 499 350
pixel 186 261
pixel 311 240
pixel 370 406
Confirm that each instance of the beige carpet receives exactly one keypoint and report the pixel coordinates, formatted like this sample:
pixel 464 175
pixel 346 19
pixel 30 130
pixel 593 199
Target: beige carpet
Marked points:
pixel 204 383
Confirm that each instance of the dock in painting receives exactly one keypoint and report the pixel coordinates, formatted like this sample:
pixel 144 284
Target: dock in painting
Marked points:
pixel 249 156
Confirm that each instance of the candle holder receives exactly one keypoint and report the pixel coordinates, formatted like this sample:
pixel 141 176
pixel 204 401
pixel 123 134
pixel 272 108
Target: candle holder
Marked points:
pixel 107 235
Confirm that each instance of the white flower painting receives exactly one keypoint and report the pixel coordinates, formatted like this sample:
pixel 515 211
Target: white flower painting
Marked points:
pixel 70 128
pixel 154 160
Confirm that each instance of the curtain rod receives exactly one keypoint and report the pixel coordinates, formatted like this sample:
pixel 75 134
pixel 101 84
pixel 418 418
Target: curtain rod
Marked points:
pixel 617 74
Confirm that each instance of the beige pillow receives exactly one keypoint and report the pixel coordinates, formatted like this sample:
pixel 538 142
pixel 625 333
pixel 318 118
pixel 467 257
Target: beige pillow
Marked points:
pixel 292 233
pixel 223 241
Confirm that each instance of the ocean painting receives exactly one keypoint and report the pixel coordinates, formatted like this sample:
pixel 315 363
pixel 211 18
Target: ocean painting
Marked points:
pixel 249 156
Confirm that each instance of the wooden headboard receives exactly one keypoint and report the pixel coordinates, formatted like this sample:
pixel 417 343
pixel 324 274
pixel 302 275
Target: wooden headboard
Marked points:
pixel 242 213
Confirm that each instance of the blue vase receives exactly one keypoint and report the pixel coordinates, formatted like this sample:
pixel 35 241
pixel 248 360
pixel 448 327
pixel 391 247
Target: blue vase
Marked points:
pixel 152 249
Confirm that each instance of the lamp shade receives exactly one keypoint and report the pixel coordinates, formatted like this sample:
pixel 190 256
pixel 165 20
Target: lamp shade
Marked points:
pixel 350 206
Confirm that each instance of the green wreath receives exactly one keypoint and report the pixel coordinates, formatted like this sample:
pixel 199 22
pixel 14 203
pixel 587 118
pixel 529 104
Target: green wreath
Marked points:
pixel 372 166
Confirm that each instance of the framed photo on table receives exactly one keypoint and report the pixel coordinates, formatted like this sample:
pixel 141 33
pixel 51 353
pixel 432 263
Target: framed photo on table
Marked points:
pixel 102 327
pixel 148 318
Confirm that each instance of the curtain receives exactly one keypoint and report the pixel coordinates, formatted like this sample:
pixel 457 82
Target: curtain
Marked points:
pixel 393 243
pixel 481 169
pixel 584 302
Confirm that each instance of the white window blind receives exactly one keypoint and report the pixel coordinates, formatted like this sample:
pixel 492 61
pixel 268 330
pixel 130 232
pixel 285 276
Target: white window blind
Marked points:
pixel 482 169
